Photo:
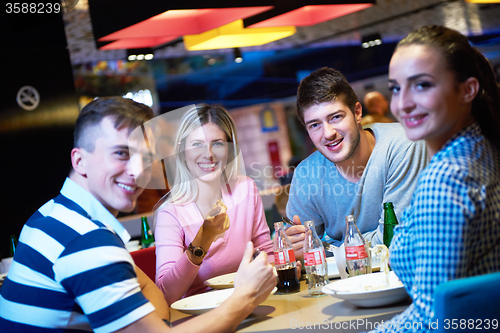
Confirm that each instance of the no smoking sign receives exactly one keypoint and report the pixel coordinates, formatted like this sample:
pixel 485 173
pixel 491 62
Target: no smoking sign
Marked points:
pixel 28 98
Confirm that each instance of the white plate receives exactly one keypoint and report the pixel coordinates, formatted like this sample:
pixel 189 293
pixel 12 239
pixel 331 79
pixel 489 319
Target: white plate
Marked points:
pixel 349 290
pixel 333 270
pixel 221 281
pixel 201 303
pixel 133 245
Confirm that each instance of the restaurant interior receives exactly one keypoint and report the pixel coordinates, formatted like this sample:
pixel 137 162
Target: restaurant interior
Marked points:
pixel 98 48
pixel 248 56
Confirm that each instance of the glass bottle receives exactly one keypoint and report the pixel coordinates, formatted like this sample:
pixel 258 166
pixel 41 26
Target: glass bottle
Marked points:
pixel 147 237
pixel 356 254
pixel 390 221
pixel 284 261
pixel 12 245
pixel 315 261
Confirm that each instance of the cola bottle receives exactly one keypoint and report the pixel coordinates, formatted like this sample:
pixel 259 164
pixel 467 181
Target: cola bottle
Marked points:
pixel 315 261
pixel 284 261
pixel 12 245
pixel 356 254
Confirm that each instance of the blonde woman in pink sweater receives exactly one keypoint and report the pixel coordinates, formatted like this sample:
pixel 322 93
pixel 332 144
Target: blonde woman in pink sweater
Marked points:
pixel 212 210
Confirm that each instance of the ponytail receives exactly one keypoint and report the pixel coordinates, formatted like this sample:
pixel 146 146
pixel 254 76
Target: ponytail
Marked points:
pixel 486 105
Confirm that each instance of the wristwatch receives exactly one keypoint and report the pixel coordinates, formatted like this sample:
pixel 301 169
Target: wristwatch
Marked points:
pixel 197 251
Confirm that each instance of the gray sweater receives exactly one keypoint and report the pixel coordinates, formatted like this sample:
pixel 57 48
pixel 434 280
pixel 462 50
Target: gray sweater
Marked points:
pixel 320 193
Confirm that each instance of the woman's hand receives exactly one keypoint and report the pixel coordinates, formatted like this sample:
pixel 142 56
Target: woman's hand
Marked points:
pixel 216 221
pixel 215 225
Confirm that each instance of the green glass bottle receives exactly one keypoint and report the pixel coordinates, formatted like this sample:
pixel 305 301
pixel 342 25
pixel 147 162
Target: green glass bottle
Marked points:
pixel 390 221
pixel 147 237
pixel 12 245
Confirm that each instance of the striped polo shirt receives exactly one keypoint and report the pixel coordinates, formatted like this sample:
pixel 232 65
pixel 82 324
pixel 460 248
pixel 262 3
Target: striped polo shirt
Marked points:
pixel 71 271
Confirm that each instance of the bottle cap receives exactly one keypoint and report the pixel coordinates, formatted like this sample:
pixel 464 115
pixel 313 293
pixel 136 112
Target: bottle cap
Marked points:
pixel 349 218
pixel 388 205
pixel 309 224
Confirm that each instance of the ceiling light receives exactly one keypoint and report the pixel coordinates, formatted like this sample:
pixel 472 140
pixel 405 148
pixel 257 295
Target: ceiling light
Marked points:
pixel 237 55
pixel 162 22
pixel 172 24
pixel 140 54
pixel 235 35
pixel 371 40
pixel 183 22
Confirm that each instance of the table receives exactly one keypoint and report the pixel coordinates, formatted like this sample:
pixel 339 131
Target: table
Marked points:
pixel 300 312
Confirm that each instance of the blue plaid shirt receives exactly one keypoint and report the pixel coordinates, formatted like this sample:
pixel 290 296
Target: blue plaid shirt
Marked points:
pixel 451 229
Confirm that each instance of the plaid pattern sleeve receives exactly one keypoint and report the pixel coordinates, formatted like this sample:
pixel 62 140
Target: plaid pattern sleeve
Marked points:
pixel 451 230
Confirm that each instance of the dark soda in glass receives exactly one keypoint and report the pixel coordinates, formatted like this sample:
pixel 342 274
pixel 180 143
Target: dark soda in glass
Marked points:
pixel 284 262
pixel 287 280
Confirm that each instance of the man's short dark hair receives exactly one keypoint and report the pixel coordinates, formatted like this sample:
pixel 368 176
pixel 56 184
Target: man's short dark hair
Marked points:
pixel 324 85
pixel 123 112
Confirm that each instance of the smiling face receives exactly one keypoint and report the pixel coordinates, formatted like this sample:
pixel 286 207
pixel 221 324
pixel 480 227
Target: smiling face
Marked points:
pixel 206 152
pixel 109 171
pixel 334 129
pixel 426 98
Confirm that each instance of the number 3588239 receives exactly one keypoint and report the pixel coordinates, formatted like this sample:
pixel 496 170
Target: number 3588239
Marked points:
pixel 471 324
pixel 32 8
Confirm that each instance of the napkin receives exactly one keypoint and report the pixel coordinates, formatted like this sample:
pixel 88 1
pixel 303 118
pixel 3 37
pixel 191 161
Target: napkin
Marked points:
pixel 5 265
pixel 339 254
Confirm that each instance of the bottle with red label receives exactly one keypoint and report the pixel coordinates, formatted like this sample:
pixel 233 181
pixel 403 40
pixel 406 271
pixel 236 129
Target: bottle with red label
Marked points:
pixel 356 253
pixel 315 261
pixel 284 261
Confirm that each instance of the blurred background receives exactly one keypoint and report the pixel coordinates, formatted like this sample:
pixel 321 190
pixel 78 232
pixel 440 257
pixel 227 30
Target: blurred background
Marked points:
pixel 55 63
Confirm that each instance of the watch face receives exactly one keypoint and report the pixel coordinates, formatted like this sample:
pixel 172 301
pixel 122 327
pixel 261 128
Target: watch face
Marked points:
pixel 198 252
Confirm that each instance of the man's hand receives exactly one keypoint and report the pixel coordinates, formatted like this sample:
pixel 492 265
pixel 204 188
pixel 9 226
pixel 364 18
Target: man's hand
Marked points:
pixel 255 279
pixel 296 235
pixel 152 293
pixel 299 269
pixel 253 283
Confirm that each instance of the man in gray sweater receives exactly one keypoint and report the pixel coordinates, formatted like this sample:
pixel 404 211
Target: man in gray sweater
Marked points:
pixel 355 169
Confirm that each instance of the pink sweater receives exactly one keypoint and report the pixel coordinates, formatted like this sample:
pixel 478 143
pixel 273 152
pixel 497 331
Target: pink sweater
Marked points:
pixel 177 225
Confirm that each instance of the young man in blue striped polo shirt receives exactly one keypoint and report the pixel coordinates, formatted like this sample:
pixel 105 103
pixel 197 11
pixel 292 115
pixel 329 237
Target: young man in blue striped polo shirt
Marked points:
pixel 71 271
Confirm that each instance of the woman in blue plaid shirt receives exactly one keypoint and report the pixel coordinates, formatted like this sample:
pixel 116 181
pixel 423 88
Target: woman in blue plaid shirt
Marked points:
pixel 444 92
